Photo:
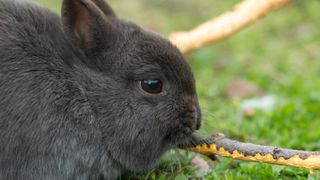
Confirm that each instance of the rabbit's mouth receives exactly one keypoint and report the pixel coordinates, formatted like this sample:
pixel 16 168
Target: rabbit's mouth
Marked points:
pixel 190 123
pixel 191 118
pixel 198 117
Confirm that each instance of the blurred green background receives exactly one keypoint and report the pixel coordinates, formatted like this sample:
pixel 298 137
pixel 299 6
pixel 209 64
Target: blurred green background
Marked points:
pixel 279 56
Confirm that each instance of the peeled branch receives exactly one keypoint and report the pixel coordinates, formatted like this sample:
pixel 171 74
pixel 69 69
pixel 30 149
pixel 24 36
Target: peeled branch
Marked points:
pixel 243 14
pixel 222 146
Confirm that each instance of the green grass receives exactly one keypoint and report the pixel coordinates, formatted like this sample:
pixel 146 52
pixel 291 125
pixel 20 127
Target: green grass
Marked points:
pixel 280 54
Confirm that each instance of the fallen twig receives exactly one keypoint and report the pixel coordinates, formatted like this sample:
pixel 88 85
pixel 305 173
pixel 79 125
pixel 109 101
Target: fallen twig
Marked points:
pixel 244 14
pixel 220 145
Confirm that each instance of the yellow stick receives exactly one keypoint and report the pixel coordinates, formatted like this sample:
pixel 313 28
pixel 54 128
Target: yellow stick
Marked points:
pixel 244 14
pixel 219 145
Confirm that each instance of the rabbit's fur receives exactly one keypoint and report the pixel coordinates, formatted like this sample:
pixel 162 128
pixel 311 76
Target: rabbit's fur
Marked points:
pixel 71 105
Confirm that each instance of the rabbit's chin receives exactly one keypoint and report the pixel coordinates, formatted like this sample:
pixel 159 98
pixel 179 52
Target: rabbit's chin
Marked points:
pixel 142 163
pixel 141 159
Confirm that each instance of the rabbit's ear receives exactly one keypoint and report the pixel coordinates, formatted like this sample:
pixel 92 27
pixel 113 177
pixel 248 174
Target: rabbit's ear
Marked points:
pixel 88 23
pixel 104 7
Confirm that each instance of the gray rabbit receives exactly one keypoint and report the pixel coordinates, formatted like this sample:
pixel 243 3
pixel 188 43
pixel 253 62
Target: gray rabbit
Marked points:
pixel 87 95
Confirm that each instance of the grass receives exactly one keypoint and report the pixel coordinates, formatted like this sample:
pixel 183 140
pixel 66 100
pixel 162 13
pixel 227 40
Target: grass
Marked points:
pixel 280 54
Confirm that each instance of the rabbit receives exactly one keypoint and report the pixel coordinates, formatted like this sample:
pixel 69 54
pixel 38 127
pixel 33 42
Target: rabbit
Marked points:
pixel 88 95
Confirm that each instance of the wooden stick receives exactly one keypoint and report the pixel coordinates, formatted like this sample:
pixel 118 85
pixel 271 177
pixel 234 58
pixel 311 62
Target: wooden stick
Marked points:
pixel 244 14
pixel 220 145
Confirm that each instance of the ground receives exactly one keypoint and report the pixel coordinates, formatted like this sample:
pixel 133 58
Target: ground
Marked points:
pixel 278 56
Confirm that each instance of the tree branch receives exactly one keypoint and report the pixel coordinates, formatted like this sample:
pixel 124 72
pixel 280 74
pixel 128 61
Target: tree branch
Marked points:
pixel 244 14
pixel 220 145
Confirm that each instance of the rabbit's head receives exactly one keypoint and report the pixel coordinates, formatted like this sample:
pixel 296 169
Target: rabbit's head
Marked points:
pixel 139 85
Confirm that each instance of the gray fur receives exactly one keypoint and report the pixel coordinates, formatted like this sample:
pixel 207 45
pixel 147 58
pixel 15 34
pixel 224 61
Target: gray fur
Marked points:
pixel 70 102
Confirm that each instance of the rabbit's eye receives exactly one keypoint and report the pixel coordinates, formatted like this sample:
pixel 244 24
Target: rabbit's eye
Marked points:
pixel 153 86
